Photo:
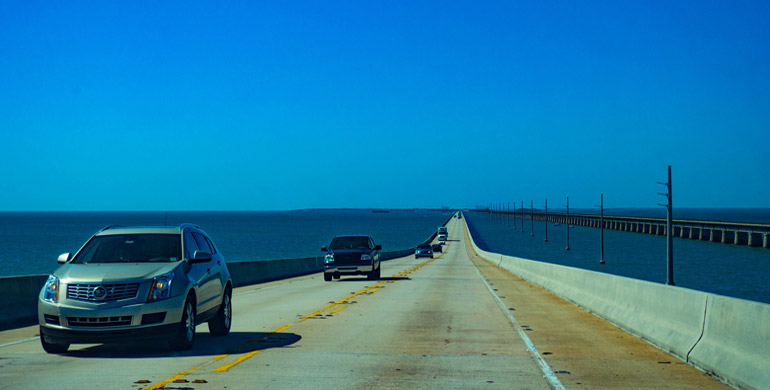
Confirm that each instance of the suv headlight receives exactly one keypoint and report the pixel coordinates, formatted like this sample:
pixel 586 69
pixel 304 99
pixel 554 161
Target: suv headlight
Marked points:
pixel 51 289
pixel 161 287
pixel 329 259
pixel 366 257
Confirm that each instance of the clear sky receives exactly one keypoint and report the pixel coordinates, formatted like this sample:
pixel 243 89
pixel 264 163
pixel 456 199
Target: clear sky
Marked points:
pixel 185 105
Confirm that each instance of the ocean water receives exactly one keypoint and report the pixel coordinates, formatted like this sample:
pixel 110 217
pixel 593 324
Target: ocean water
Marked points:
pixel 32 241
pixel 731 270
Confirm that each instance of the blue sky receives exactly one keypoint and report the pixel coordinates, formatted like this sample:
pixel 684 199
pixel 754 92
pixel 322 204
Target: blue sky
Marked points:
pixel 284 105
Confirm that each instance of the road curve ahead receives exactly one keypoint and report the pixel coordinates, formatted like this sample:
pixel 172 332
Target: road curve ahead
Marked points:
pixel 428 323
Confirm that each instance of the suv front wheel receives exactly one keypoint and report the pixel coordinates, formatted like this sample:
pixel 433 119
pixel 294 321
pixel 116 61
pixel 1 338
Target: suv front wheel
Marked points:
pixel 51 347
pixel 185 335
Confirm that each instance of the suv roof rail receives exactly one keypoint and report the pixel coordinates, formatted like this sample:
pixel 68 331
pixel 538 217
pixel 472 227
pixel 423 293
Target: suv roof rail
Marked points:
pixel 187 224
pixel 109 227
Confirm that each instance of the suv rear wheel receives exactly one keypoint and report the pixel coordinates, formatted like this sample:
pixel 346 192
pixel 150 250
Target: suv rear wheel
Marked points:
pixel 219 325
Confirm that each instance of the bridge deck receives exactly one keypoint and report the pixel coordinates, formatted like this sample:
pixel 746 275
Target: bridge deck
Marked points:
pixel 425 324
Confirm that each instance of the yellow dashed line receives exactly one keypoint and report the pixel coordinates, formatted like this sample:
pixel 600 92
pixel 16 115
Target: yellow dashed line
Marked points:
pixel 241 359
pixel 167 381
pixel 337 309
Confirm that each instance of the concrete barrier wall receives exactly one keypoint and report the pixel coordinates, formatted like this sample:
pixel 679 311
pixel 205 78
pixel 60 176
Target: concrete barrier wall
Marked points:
pixel 728 337
pixel 261 271
pixel 736 342
pixel 18 299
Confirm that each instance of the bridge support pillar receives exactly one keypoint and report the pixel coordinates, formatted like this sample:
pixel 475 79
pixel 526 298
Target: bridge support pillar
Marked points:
pixel 694 233
pixel 685 232
pixel 741 238
pixel 755 239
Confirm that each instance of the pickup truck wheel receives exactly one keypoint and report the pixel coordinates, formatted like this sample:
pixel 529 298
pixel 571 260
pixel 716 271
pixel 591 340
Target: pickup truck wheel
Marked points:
pixel 327 277
pixel 375 274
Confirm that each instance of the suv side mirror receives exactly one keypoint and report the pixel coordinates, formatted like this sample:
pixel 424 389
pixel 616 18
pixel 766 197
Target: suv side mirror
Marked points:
pixel 378 247
pixel 200 257
pixel 64 257
pixel 323 249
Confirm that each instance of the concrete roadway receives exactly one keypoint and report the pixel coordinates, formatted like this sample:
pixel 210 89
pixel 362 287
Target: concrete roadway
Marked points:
pixel 450 322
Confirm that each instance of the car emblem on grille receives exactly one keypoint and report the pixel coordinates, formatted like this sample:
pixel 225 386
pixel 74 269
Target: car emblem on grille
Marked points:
pixel 99 292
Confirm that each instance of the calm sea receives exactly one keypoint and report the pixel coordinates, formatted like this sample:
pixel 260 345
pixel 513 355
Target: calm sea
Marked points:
pixel 33 240
pixel 731 270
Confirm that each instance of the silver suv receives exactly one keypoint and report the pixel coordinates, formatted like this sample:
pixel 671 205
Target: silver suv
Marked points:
pixel 129 283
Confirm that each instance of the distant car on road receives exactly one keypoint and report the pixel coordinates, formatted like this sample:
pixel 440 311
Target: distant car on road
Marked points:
pixel 352 255
pixel 129 283
pixel 423 250
pixel 437 248
pixel 442 238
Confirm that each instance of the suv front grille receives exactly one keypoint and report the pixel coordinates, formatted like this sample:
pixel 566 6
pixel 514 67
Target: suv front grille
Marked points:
pixel 102 292
pixel 99 322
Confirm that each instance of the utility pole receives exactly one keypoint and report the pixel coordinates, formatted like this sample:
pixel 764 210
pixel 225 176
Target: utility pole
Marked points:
pixel 532 216
pixel 546 220
pixel 514 215
pixel 669 233
pixel 567 223
pixel 601 220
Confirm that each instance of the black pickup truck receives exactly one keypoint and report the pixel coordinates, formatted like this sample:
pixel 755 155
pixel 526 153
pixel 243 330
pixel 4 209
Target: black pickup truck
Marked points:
pixel 352 255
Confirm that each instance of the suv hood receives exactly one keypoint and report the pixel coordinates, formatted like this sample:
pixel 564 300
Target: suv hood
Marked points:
pixel 112 272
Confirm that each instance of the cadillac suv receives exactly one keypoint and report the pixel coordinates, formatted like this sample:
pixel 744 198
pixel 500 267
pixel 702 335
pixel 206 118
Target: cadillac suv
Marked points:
pixel 129 283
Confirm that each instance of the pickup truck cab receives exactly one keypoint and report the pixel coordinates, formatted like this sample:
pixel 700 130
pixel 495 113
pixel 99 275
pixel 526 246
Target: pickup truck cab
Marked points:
pixel 352 255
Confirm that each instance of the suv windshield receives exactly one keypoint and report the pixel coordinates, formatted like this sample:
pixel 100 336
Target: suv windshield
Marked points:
pixel 424 246
pixel 350 243
pixel 131 248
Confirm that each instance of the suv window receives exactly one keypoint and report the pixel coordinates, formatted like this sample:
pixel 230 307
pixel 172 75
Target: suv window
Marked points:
pixel 130 248
pixel 190 246
pixel 203 244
